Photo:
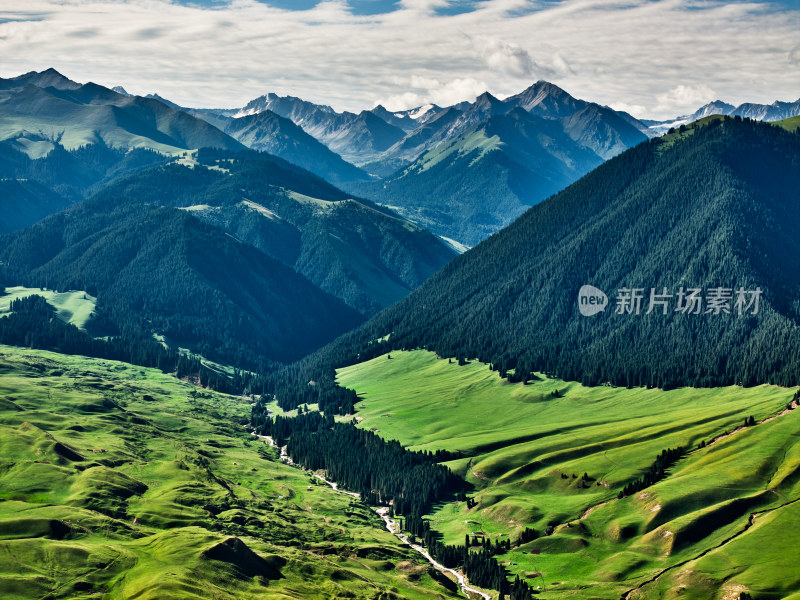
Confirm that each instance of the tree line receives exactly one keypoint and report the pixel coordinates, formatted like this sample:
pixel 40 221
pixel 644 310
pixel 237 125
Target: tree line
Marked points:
pixel 33 323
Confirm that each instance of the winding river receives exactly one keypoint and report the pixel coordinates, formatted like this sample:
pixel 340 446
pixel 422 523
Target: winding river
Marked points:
pixel 394 529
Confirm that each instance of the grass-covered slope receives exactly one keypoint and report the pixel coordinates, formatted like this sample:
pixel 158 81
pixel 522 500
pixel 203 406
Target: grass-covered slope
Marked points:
pixel 73 307
pixel 700 532
pixel 120 482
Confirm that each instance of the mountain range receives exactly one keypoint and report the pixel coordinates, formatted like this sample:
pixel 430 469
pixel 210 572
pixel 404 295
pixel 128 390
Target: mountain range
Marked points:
pixel 266 252
pixel 777 111
pixel 468 171
pixel 47 107
pixel 567 138
pixel 97 184
pixel 379 154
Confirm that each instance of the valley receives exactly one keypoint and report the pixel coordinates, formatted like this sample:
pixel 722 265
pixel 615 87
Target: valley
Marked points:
pixel 281 350
pixel 121 481
pixel 554 456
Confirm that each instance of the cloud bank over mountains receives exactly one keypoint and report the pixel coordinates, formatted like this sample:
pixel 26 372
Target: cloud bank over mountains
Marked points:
pixel 659 57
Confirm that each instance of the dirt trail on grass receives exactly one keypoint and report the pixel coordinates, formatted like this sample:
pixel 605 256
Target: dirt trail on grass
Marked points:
pixel 391 526
pixel 750 522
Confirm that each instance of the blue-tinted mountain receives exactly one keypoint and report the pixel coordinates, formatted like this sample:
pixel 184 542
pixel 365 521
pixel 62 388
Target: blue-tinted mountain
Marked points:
pixel 44 79
pixel 777 111
pixel 462 183
pixel 268 132
pixel 357 138
pixel 478 183
pixel 48 106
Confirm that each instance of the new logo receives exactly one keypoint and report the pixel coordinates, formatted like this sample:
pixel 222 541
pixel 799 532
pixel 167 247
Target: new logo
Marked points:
pixel 591 300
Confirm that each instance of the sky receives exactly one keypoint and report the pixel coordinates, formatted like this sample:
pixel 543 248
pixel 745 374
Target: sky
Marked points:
pixel 654 58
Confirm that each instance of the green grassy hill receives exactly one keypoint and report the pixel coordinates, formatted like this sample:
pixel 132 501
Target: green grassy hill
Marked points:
pixel 791 124
pixel 120 482
pixel 711 208
pixel 698 533
pixel 74 307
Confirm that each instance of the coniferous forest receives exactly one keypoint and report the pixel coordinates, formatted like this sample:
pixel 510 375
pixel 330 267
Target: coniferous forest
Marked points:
pixel 727 220
pixel 384 473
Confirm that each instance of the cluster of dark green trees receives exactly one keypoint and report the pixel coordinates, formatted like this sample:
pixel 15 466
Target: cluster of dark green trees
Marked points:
pixel 656 472
pixel 158 269
pixel 33 324
pixel 477 557
pixel 384 473
pixel 380 471
pixel 74 174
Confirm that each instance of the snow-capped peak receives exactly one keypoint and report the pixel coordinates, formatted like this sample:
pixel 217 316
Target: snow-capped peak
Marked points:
pixel 417 113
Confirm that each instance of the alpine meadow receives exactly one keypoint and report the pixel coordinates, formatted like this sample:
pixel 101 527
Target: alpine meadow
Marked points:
pixel 399 300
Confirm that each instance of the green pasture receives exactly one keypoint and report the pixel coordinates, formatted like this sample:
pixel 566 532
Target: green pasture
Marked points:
pixel 526 449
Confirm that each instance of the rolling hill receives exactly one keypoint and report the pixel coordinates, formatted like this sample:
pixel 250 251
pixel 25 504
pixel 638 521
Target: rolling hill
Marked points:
pixel 550 461
pixel 644 451
pixel 69 174
pixel 120 479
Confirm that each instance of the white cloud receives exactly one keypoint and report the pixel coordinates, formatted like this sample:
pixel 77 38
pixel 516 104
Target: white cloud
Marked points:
pixel 658 56
pixel 430 90
pixel 684 97
pixel 637 110
pixel 506 57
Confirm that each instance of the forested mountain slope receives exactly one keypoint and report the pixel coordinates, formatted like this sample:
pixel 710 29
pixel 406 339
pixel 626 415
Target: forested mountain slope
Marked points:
pixel 713 206
pixel 159 269
pixel 363 254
